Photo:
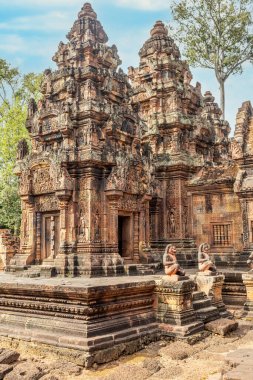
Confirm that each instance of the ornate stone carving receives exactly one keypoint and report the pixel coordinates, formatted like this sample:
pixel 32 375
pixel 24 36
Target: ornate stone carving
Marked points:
pixel 250 262
pixel 171 266
pixel 245 221
pixel 83 230
pixel 46 203
pixel 23 149
pixel 204 263
pixel 42 181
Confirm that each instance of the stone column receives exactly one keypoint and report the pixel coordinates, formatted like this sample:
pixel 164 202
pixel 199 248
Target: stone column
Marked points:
pixel 113 198
pixel 136 232
pixel 147 224
pixel 180 210
pixel 38 237
pixel 62 262
pixel 64 197
pixel 245 222
pixel 155 215
pixel 144 224
pixel 63 223
pixel 28 246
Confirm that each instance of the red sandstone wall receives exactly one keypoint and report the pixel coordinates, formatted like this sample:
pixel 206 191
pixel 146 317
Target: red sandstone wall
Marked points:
pixel 216 209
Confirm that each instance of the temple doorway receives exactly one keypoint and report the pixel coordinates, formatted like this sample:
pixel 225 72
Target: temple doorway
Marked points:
pixel 50 235
pixel 124 237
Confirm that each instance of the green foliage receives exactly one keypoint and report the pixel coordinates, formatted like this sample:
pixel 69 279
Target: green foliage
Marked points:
pixel 14 93
pixel 216 34
pixel 8 80
pixel 10 208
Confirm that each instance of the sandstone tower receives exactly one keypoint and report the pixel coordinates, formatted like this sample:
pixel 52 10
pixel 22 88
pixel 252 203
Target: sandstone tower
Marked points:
pixel 121 165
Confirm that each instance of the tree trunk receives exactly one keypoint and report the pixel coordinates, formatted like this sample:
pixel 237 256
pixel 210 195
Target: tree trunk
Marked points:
pixel 222 97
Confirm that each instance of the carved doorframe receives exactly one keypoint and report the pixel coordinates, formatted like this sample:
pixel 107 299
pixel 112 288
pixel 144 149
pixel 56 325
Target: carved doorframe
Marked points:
pixel 49 235
pixel 130 222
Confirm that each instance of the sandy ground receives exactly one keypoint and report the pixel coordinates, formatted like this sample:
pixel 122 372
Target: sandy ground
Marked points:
pixel 179 360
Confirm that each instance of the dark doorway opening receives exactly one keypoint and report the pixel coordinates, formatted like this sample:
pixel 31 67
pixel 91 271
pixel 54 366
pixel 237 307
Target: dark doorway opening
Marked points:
pixel 124 236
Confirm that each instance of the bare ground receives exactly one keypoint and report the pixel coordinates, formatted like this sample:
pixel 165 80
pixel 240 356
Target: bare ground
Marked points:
pixel 214 358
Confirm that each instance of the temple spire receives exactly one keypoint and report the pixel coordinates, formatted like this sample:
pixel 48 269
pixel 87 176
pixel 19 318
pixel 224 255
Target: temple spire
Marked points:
pixel 159 29
pixel 87 26
pixel 85 36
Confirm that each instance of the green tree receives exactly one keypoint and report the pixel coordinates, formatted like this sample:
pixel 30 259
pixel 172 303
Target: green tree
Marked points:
pixel 8 81
pixel 14 94
pixel 216 34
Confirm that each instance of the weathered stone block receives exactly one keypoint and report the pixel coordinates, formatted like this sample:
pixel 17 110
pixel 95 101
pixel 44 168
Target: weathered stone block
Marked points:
pixel 4 369
pixel 248 282
pixel 221 326
pixel 8 356
pixel 173 303
pixel 233 290
pixel 211 285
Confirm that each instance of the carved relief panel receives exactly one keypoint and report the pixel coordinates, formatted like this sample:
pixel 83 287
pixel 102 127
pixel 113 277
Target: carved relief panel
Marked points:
pixel 171 209
pixel 46 203
pixel 42 181
pixel 83 228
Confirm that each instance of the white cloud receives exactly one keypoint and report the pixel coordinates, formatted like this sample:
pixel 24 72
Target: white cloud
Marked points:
pixel 40 3
pixel 11 43
pixel 51 21
pixel 148 5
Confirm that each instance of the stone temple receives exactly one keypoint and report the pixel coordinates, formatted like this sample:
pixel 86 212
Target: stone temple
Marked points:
pixel 120 167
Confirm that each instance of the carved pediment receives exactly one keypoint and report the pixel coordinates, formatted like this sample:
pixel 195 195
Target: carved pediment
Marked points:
pixel 244 181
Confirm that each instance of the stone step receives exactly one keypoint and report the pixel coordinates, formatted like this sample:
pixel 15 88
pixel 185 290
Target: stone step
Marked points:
pixel 225 314
pixel 208 314
pixel 198 295
pixel 37 271
pixel 32 275
pixel 141 269
pixel 145 272
pixel 200 304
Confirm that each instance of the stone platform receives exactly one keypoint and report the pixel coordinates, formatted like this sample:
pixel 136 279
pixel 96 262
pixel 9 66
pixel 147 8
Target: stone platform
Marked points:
pixel 103 318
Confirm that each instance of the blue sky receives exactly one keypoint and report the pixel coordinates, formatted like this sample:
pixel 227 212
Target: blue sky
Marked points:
pixel 30 31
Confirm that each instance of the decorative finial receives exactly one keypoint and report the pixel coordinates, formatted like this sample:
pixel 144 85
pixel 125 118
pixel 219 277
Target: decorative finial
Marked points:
pixel 208 97
pixel 159 29
pixel 87 10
